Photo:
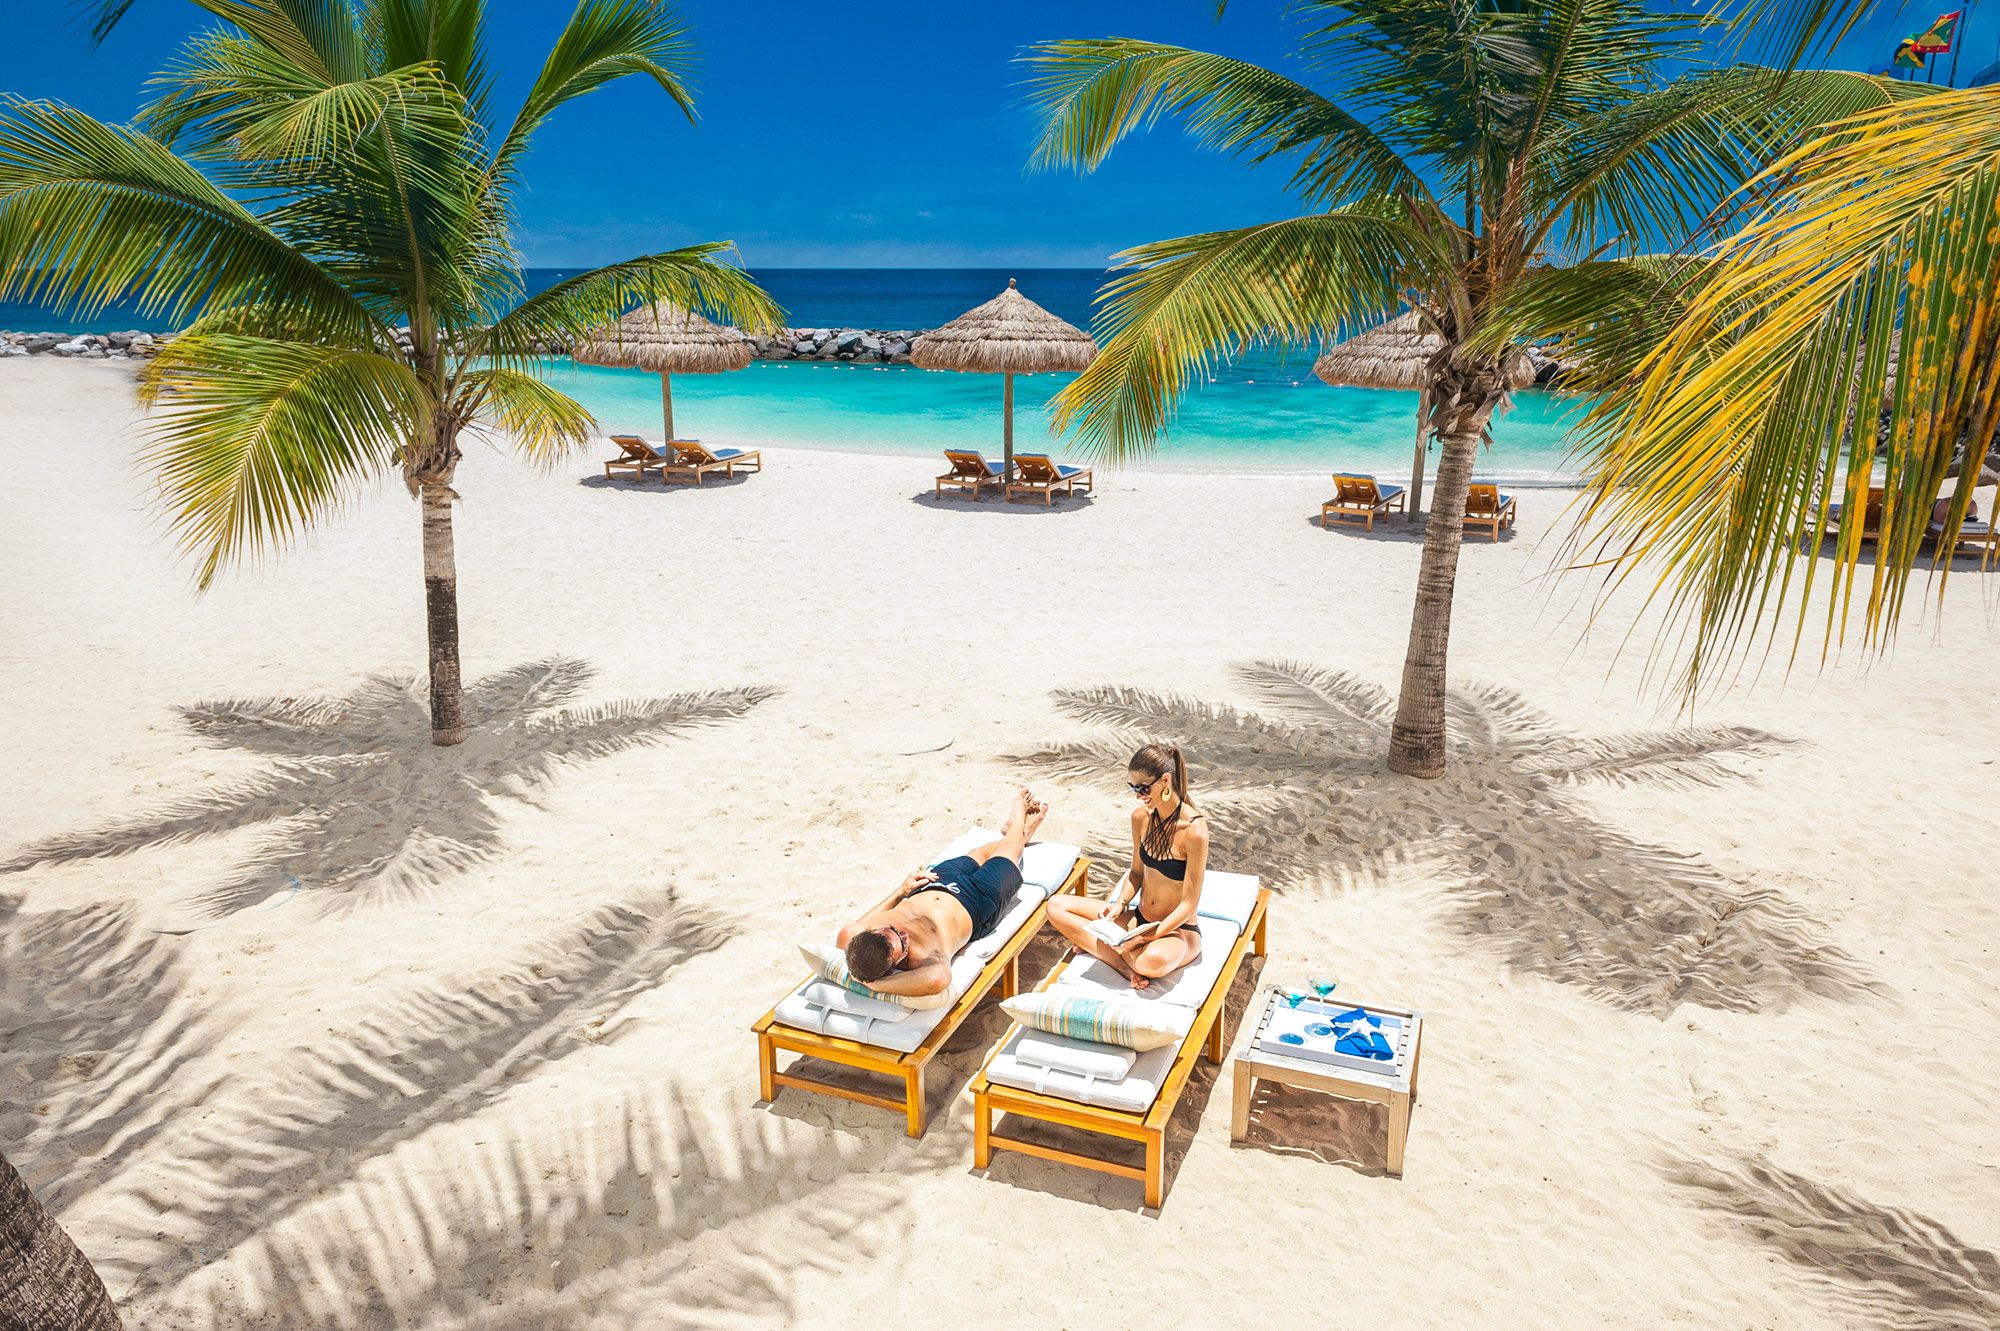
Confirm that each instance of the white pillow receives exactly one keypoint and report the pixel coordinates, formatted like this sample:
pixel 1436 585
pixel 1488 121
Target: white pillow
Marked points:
pixel 836 998
pixel 1099 1062
pixel 1131 1021
pixel 830 964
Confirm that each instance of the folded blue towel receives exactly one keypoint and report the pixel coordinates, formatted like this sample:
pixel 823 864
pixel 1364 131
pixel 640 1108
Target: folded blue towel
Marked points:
pixel 724 454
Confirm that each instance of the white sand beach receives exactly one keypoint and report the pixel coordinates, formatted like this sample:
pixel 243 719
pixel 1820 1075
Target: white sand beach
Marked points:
pixel 1712 1013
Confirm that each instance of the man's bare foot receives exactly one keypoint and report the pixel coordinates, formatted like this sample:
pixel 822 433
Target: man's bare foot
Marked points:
pixel 1034 811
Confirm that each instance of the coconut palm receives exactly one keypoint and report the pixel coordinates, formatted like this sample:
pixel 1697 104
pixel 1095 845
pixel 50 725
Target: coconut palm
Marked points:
pixel 46 1284
pixel 1483 154
pixel 1861 293
pixel 323 187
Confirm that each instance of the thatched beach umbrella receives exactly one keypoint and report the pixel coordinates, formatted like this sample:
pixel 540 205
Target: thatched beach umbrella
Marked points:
pixel 1008 335
pixel 1397 354
pixel 667 340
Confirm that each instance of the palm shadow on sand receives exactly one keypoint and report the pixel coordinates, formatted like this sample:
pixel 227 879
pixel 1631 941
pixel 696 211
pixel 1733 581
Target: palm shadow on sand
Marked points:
pixel 1301 797
pixel 360 806
pixel 636 1210
pixel 98 1036
pixel 395 1071
pixel 1883 1266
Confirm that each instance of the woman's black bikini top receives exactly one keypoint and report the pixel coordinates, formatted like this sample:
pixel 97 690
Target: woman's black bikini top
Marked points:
pixel 1164 865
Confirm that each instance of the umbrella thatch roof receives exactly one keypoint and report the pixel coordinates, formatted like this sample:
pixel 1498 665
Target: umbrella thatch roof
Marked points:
pixel 1009 334
pixel 667 339
pixel 1394 355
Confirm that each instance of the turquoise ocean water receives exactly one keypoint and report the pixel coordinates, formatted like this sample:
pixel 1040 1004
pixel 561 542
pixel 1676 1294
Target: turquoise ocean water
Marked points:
pixel 1266 412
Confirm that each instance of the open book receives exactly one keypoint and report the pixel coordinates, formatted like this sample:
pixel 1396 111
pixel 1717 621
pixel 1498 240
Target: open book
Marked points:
pixel 1109 931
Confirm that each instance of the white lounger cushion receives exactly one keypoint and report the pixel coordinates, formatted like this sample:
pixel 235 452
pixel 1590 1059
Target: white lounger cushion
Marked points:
pixel 1085 1058
pixel 1229 896
pixel 1048 864
pixel 1139 1087
pixel 1135 1091
pixel 1187 987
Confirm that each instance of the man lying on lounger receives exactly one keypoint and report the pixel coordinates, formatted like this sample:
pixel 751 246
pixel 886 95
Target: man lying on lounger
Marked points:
pixel 906 944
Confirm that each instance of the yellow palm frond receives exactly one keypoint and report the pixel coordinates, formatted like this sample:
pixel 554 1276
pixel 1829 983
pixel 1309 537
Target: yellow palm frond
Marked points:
pixel 1868 279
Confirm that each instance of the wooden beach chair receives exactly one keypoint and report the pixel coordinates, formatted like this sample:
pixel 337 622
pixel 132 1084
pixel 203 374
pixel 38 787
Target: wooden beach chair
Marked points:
pixel 1040 474
pixel 1138 1106
pixel 1356 497
pixel 811 1021
pixel 636 456
pixel 693 460
pixel 1486 507
pixel 1982 536
pixel 1871 516
pixel 969 471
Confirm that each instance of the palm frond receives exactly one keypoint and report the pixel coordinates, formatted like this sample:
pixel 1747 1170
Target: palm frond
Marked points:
pixel 1654 168
pixel 544 422
pixel 260 438
pixel 1180 304
pixel 1607 315
pixel 573 309
pixel 605 40
pixel 1881 239
pixel 91 213
pixel 442 33
pixel 1093 93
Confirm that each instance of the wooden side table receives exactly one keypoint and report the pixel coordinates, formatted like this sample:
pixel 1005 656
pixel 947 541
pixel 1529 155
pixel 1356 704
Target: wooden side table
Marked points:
pixel 1397 1090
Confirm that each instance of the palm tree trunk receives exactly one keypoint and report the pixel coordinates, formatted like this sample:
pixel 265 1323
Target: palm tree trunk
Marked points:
pixel 46 1284
pixel 1416 741
pixel 441 613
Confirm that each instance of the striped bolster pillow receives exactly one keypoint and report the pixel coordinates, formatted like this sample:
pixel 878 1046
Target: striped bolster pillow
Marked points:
pixel 1135 1023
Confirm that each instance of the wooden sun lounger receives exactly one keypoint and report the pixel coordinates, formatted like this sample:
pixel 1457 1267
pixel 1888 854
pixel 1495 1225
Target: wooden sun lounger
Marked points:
pixel 1871 517
pixel 1358 498
pixel 693 460
pixel 1042 475
pixel 1003 969
pixel 1486 507
pixel 637 456
pixel 1148 1129
pixel 969 471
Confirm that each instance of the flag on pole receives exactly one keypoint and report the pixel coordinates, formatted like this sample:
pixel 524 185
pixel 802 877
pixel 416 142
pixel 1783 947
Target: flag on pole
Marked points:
pixel 1906 54
pixel 1937 39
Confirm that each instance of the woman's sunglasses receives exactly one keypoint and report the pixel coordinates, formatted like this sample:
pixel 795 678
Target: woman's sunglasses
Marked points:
pixel 1141 788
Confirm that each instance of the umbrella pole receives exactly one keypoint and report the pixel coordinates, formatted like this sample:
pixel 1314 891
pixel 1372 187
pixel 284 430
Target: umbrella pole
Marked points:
pixel 1007 430
pixel 667 403
pixel 1417 475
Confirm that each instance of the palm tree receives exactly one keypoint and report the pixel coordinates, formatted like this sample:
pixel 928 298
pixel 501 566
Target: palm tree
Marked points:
pixel 46 1284
pixel 324 188
pixel 1853 316
pixel 1491 156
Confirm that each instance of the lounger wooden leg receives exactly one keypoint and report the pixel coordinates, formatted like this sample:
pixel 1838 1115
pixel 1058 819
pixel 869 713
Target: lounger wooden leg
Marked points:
pixel 1010 979
pixel 767 1068
pixel 913 1101
pixel 1156 1168
pixel 1399 1132
pixel 1257 939
pixel 982 1132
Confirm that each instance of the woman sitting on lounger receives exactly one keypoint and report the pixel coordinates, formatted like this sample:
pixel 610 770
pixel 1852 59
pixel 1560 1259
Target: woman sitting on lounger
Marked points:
pixel 1163 889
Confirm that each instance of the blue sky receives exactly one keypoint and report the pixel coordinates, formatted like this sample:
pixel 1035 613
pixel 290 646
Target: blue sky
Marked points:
pixel 887 133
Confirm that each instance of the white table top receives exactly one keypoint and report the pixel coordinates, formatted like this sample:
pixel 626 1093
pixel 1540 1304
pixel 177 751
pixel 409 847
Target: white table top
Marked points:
pixel 1279 1067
